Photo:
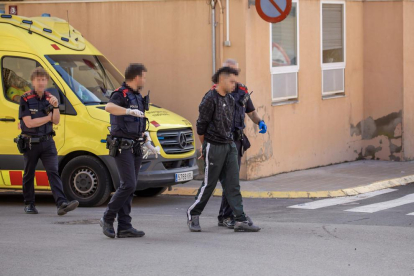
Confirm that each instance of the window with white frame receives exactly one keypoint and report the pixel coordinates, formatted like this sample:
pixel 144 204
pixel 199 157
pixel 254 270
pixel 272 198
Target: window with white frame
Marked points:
pixel 333 49
pixel 284 52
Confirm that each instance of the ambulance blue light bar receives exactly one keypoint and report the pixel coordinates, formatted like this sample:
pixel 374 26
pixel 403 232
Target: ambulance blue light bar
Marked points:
pixel 45 14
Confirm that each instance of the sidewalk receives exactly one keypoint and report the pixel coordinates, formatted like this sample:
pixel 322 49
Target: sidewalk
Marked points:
pixel 331 181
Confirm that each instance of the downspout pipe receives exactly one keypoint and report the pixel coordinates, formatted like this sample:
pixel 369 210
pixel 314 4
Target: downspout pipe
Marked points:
pixel 213 33
pixel 227 42
pixel 221 36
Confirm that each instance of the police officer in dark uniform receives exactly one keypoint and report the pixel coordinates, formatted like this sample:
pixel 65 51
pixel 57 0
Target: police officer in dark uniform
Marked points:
pixel 243 105
pixel 214 128
pixel 38 111
pixel 128 124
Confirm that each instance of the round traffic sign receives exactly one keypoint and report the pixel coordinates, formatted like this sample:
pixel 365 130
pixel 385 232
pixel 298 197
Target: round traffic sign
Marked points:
pixel 273 11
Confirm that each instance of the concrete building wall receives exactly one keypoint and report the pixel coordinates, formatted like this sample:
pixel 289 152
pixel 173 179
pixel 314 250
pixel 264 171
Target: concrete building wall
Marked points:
pixel 173 39
pixel 381 127
pixel 314 131
pixel 408 82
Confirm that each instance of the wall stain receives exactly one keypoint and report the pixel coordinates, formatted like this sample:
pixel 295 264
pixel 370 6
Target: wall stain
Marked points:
pixel 265 153
pixel 388 126
pixel 370 151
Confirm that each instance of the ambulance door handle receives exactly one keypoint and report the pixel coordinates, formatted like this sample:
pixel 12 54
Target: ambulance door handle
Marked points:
pixel 7 119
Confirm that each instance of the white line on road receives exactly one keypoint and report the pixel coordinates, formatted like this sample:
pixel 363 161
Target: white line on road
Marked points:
pixel 339 200
pixel 372 208
pixel 410 214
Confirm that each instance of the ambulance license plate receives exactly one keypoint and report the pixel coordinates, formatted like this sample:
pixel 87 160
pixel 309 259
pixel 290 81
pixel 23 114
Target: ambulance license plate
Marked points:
pixel 180 177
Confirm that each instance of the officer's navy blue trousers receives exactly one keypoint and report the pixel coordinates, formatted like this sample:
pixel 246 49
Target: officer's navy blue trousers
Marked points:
pixel 45 151
pixel 120 204
pixel 225 209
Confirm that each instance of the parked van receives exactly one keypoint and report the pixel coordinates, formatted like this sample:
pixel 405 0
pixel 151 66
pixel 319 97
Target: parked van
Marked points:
pixel 82 79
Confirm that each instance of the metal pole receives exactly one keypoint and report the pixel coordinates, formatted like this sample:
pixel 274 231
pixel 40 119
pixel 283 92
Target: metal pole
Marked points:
pixel 213 33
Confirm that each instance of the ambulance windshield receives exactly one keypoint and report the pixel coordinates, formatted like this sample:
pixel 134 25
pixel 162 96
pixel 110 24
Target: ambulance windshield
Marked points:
pixel 91 78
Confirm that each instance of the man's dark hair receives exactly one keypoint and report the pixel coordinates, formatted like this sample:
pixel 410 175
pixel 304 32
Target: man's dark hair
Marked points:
pixel 133 70
pixel 225 71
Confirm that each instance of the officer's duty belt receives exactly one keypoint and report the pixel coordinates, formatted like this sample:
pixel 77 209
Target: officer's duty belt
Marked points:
pixel 37 139
pixel 128 143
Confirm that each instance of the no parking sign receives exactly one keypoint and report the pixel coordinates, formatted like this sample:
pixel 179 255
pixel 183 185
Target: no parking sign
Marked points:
pixel 273 11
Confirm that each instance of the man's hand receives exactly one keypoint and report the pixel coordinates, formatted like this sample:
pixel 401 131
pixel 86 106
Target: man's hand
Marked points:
pixel 135 113
pixel 262 127
pixel 201 153
pixel 54 101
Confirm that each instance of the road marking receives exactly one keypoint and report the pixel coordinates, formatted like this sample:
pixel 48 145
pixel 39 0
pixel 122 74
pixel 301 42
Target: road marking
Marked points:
pixel 410 214
pixel 339 200
pixel 372 208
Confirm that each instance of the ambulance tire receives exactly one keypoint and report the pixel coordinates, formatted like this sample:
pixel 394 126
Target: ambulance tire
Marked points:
pixel 151 192
pixel 86 179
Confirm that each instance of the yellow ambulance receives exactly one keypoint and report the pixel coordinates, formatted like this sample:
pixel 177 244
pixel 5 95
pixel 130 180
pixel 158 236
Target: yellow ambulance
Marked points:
pixel 82 79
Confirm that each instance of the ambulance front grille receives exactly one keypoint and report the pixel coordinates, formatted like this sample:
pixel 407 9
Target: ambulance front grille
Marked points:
pixel 176 141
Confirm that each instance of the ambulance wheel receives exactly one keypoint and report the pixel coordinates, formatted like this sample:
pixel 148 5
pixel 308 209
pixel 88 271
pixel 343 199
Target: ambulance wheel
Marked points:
pixel 151 192
pixel 86 179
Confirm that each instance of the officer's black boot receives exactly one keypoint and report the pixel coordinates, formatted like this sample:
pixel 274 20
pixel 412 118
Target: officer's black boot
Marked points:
pixel 107 228
pixel 130 233
pixel 66 207
pixel 194 224
pixel 30 209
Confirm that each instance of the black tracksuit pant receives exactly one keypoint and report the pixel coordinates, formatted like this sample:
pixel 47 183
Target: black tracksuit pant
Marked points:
pixel 45 151
pixel 225 209
pixel 220 163
pixel 128 165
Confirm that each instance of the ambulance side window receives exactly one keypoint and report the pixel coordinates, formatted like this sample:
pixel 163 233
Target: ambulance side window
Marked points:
pixel 16 76
pixel 16 73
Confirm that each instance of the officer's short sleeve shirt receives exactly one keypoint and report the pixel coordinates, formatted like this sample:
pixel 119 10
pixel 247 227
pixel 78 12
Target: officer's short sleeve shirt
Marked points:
pixel 23 109
pixel 249 106
pixel 118 99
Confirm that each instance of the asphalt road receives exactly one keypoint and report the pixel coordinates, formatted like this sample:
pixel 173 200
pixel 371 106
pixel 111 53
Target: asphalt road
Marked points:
pixel 293 241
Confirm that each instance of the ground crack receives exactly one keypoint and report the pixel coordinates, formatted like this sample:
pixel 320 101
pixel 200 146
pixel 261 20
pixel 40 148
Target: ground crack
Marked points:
pixel 330 233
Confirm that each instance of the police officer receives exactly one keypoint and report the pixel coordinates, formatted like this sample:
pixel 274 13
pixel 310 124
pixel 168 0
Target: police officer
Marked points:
pixel 214 127
pixel 38 111
pixel 243 105
pixel 127 107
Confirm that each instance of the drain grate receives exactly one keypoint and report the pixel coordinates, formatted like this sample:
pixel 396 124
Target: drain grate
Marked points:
pixel 77 222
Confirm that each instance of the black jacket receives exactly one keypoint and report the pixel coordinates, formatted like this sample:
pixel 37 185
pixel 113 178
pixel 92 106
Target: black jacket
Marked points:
pixel 216 118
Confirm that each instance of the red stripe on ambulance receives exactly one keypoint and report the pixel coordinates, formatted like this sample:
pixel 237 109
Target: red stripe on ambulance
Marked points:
pixel 16 178
pixel 41 179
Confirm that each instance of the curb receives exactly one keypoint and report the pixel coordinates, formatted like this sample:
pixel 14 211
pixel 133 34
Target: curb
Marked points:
pixel 375 186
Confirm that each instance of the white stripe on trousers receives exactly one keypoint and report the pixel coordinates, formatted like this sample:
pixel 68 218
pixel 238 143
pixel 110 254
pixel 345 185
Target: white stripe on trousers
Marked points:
pixel 205 183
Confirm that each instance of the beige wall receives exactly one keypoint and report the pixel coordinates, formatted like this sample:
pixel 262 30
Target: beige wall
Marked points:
pixel 173 38
pixel 383 81
pixel 408 92
pixel 313 132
